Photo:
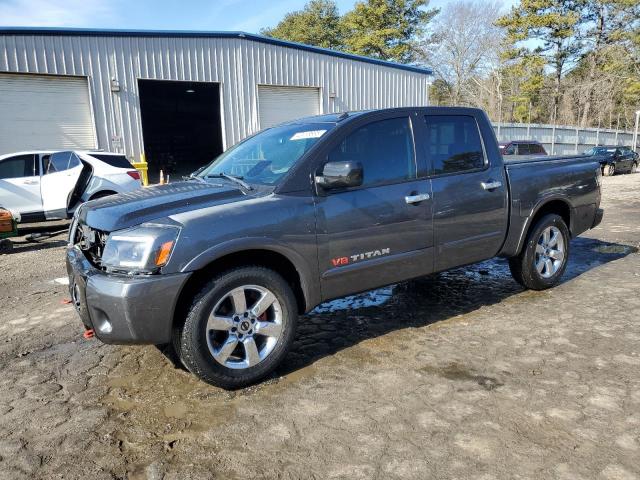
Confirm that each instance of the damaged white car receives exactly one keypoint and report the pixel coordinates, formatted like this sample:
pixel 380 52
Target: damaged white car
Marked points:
pixel 46 185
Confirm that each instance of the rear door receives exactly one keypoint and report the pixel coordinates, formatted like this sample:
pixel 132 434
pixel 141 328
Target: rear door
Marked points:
pixel 469 190
pixel 626 156
pixel 20 184
pixel 380 232
pixel 60 174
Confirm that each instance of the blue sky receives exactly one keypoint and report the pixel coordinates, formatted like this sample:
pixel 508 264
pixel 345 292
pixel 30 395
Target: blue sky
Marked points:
pixel 245 15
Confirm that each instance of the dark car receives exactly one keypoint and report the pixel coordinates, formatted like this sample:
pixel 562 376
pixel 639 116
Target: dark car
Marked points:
pixel 614 159
pixel 522 148
pixel 221 265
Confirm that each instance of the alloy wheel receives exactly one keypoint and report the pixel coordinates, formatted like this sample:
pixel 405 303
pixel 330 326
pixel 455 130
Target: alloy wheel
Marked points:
pixel 550 252
pixel 244 326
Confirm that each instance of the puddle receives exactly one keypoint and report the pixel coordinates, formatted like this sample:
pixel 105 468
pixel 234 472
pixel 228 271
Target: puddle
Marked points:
pixel 457 372
pixel 373 298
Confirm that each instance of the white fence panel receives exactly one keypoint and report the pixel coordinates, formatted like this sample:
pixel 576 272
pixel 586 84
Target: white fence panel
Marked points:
pixel 562 139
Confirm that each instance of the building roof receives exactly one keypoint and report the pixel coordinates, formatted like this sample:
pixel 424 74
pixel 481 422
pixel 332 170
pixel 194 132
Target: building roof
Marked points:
pixel 98 32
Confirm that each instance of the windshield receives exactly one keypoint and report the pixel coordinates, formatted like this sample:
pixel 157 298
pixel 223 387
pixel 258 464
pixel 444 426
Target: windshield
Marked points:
pixel 599 151
pixel 266 157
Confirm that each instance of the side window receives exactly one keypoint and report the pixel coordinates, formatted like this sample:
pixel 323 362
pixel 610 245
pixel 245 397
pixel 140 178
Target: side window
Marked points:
pixel 525 149
pixel 453 143
pixel 74 161
pixel 18 167
pixel 537 149
pixel 510 150
pixel 384 148
pixel 60 161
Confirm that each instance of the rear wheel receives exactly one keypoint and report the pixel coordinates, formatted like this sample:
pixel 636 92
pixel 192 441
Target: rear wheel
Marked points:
pixel 634 167
pixel 239 328
pixel 543 259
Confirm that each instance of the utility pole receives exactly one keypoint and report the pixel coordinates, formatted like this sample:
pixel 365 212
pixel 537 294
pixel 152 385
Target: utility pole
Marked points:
pixel 553 131
pixel 635 131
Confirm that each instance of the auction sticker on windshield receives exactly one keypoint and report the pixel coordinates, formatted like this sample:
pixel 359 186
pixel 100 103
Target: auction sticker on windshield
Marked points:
pixel 307 134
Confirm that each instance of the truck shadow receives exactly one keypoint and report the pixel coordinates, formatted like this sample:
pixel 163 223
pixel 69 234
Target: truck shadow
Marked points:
pixel 343 323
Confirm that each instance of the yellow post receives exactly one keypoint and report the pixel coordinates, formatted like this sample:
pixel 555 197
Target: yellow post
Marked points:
pixel 142 166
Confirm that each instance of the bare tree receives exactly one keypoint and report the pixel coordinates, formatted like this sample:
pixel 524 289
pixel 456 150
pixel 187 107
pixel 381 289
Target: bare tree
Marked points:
pixel 464 45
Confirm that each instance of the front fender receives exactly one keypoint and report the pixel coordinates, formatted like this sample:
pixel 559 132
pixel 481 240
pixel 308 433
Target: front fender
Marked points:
pixel 307 271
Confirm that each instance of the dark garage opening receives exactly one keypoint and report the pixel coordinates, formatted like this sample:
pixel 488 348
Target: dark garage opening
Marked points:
pixel 181 126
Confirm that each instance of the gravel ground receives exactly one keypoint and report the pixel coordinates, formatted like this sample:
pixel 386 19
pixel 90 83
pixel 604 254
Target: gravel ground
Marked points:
pixel 463 375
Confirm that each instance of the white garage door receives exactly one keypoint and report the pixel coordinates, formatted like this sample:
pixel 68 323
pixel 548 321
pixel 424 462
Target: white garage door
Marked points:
pixel 279 104
pixel 44 112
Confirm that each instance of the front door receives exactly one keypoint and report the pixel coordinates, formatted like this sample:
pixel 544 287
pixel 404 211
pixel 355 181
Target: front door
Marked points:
pixel 60 174
pixel 380 232
pixel 20 184
pixel 469 192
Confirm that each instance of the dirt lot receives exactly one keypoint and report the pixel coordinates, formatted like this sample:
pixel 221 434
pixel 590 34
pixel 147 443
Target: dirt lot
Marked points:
pixel 464 375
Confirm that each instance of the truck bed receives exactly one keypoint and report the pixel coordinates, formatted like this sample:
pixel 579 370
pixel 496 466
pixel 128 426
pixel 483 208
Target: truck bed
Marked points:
pixel 537 180
pixel 515 160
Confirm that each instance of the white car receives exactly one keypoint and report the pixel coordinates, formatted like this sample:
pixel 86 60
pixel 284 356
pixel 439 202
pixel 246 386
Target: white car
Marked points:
pixel 46 185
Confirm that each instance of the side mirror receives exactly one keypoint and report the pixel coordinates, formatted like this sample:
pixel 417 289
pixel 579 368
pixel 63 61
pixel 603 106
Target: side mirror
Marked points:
pixel 340 175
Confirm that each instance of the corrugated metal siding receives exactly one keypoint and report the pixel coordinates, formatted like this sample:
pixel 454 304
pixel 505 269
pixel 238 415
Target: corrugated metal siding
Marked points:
pixel 238 65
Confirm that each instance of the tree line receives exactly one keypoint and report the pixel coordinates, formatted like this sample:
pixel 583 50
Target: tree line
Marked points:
pixel 573 62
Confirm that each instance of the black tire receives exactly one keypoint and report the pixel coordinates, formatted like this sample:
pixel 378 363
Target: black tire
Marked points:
pixel 609 170
pixel 523 267
pixel 191 338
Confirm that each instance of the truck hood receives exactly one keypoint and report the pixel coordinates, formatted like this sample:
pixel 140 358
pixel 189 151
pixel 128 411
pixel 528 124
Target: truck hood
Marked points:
pixel 129 209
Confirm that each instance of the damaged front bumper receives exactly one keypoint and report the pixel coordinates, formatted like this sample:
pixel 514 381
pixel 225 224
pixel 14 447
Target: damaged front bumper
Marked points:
pixel 123 309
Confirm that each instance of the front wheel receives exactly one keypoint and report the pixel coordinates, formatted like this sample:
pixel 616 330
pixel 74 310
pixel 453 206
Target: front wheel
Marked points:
pixel 239 328
pixel 544 257
pixel 634 167
pixel 609 170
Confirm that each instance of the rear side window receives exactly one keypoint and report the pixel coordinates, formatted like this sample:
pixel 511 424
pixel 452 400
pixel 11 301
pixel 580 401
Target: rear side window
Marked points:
pixel 60 161
pixel 537 149
pixel 384 148
pixel 118 161
pixel 525 149
pixel 18 166
pixel 453 143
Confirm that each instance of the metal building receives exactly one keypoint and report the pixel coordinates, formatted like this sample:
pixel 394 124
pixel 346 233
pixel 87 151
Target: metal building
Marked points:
pixel 178 98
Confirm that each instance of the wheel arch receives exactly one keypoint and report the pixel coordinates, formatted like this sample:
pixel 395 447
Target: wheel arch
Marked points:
pixel 258 256
pixel 556 205
pixel 102 193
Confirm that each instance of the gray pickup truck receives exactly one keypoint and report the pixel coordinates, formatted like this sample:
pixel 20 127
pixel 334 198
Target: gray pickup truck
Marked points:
pixel 221 265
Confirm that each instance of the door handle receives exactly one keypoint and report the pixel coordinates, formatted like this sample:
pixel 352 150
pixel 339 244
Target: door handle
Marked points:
pixel 492 185
pixel 420 197
pixel 30 182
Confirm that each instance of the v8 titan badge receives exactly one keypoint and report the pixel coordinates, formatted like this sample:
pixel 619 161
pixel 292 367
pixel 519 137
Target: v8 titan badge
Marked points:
pixel 341 261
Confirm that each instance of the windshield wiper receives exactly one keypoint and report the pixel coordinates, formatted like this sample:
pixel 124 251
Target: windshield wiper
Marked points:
pixel 233 178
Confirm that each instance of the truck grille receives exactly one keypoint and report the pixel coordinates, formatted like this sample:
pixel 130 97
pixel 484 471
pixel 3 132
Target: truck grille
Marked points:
pixel 90 241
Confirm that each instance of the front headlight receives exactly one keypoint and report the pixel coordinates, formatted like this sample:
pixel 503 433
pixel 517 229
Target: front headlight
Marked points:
pixel 142 249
